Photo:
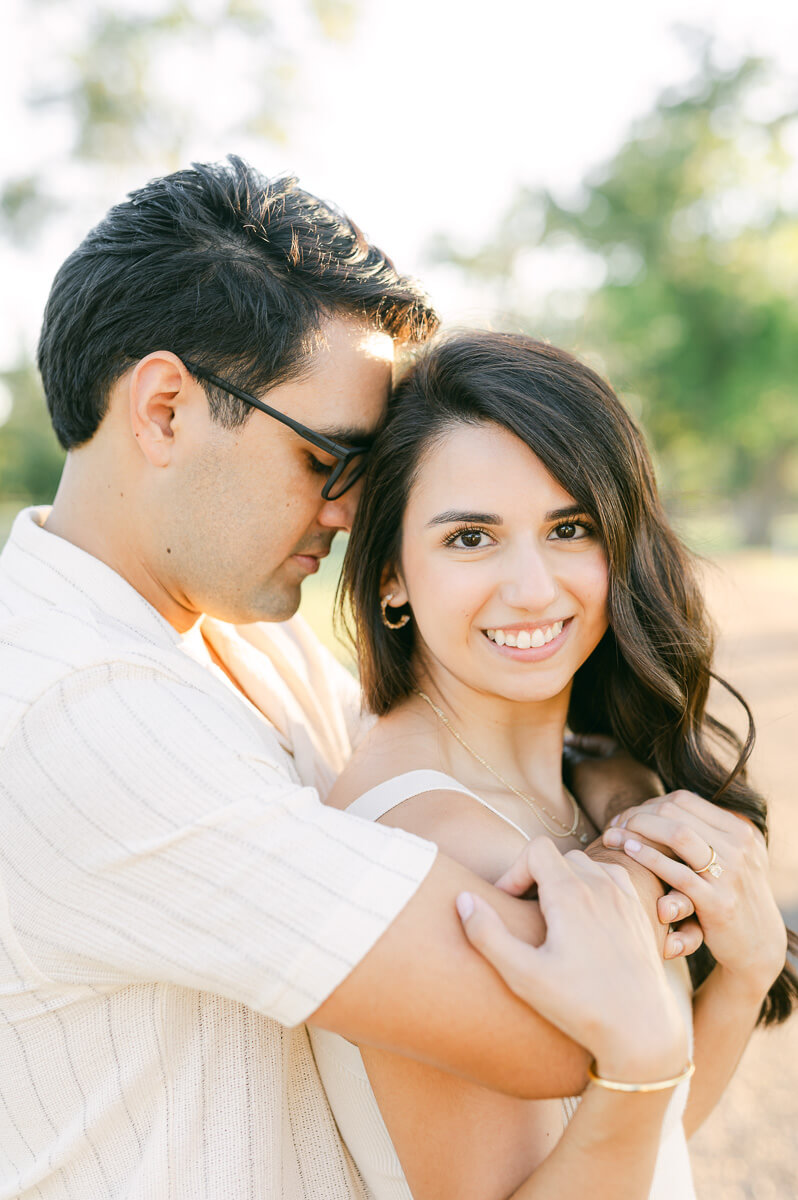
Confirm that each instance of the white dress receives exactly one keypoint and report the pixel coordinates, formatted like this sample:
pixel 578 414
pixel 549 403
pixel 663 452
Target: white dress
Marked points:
pixel 347 1085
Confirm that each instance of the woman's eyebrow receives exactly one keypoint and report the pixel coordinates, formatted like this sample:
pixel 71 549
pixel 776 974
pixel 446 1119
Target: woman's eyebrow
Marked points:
pixel 562 514
pixel 452 515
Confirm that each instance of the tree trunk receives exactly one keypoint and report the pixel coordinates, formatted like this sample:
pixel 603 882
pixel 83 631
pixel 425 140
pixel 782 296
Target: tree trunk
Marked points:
pixel 760 503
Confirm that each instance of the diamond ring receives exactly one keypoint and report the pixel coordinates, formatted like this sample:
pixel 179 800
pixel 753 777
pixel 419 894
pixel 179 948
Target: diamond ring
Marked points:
pixel 713 866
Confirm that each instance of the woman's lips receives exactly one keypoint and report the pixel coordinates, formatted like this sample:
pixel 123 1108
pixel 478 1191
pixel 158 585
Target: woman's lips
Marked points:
pixel 532 653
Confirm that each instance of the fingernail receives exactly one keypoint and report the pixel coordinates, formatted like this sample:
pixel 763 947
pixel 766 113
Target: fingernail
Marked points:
pixel 633 845
pixel 615 820
pixel 672 911
pixel 675 948
pixel 613 837
pixel 465 905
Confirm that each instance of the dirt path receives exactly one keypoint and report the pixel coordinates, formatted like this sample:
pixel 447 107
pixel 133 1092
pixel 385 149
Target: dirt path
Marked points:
pixel 749 1146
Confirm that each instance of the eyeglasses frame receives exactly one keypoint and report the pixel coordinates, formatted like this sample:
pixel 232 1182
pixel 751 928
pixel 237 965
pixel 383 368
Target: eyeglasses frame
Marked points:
pixel 343 454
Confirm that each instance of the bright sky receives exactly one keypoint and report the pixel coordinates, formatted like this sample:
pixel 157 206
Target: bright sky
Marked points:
pixel 426 120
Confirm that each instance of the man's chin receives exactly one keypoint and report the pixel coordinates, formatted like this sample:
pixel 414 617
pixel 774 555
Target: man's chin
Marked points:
pixel 274 607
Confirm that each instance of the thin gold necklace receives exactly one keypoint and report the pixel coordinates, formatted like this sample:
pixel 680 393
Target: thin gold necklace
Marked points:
pixel 540 810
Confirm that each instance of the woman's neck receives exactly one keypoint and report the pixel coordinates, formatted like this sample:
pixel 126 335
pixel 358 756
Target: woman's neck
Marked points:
pixel 521 741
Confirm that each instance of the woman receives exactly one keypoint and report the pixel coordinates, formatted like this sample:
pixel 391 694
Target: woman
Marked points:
pixel 512 573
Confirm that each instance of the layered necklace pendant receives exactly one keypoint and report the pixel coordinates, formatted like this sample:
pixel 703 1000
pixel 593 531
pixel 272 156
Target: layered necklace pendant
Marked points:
pixel 550 822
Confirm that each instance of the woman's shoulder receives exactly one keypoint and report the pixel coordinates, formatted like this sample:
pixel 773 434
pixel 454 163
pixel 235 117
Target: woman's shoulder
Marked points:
pixel 397 780
pixel 388 751
pixel 394 746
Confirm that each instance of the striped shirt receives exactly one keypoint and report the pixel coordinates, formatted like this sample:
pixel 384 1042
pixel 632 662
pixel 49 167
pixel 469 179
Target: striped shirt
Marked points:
pixel 174 898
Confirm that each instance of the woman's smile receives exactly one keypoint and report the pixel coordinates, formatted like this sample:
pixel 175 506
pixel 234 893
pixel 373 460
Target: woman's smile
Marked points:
pixel 529 642
pixel 505 574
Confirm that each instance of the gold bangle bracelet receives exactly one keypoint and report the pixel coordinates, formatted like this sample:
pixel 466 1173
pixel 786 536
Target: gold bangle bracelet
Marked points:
pixel 660 1085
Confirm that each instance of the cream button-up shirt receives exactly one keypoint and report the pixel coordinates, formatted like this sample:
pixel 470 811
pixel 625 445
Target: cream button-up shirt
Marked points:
pixel 174 898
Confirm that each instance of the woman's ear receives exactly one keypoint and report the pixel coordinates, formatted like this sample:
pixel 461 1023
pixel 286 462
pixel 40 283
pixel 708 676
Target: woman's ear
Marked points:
pixel 392 585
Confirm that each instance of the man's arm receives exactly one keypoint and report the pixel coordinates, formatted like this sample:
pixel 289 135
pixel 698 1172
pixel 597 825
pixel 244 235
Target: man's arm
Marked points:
pixel 424 992
pixel 605 779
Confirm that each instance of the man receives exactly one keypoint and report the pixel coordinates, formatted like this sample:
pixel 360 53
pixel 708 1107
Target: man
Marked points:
pixel 175 899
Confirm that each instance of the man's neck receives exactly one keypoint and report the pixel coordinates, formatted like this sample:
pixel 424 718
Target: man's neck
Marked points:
pixel 94 516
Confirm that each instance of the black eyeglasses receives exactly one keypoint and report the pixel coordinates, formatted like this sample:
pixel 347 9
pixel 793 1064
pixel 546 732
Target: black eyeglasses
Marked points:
pixel 350 460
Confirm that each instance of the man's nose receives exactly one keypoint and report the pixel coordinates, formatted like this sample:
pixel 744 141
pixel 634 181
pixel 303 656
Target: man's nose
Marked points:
pixel 340 513
pixel 530 583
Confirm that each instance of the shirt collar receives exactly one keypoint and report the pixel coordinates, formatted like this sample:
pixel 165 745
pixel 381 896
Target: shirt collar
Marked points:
pixel 61 573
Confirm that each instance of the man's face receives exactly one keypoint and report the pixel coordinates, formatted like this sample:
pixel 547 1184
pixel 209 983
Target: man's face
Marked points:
pixel 247 523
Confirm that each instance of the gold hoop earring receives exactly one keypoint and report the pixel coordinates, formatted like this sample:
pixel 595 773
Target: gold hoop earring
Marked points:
pixel 400 624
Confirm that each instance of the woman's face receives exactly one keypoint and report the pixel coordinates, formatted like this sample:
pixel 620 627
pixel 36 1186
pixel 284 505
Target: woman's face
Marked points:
pixel 505 576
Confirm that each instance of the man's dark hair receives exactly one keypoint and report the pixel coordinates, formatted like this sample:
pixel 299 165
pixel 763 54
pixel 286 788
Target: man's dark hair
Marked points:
pixel 225 268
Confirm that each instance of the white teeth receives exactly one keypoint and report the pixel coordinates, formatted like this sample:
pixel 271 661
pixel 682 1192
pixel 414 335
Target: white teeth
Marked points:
pixel 523 638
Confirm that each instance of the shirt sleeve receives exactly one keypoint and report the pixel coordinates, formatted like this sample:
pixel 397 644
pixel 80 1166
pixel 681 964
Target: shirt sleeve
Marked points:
pixel 158 836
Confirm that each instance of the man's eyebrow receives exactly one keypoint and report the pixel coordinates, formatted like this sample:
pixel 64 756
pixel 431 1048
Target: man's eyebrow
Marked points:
pixel 453 514
pixel 352 435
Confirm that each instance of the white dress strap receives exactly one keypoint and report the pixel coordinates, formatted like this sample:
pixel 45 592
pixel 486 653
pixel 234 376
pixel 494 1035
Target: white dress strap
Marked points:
pixel 379 800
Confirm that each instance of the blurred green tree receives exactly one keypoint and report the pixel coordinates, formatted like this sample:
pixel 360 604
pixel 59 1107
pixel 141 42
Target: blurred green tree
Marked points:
pixel 692 231
pixel 30 457
pixel 128 82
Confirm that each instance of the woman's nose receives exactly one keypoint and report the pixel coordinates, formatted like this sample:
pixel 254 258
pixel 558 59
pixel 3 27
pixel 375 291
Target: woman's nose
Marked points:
pixel 530 583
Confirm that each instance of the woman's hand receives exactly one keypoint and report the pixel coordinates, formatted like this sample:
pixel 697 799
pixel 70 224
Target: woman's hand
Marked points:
pixel 732 899
pixel 598 975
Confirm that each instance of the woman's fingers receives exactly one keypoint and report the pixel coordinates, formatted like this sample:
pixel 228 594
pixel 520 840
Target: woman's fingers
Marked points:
pixel 621 877
pixel 688 839
pixel 557 877
pixel 670 870
pixel 523 874
pixel 684 940
pixel 717 818
pixel 487 933
pixel 687 806
pixel 673 907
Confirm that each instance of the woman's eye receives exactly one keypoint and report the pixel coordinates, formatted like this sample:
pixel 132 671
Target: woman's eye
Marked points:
pixel 571 531
pixel 469 539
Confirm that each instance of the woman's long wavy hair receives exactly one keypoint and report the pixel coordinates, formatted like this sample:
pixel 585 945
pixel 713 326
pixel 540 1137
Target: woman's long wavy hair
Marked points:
pixel 647 682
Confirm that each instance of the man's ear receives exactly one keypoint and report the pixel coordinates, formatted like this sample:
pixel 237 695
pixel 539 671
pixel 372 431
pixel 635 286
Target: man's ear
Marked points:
pixel 158 385
pixel 391 584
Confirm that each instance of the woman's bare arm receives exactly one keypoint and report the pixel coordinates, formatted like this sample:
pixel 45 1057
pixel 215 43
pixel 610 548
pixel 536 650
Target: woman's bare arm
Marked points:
pixel 459 1140
pixel 742 925
pixel 423 991
pixel 725 1012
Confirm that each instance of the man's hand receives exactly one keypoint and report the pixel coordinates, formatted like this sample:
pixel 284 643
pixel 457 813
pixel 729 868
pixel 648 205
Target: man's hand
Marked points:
pixel 606 780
